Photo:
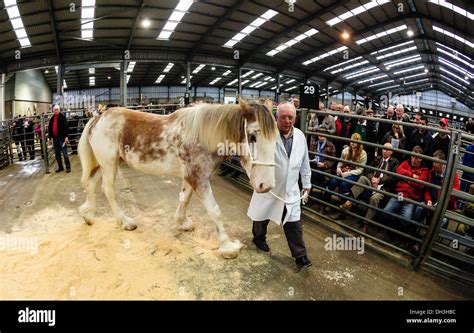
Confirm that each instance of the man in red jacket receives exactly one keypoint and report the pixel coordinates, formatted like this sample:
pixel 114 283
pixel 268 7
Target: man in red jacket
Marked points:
pixel 407 189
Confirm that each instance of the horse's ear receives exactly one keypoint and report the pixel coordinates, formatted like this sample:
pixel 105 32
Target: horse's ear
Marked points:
pixel 269 104
pixel 245 109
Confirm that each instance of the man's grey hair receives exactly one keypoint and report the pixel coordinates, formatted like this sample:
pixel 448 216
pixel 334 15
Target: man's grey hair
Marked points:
pixel 286 106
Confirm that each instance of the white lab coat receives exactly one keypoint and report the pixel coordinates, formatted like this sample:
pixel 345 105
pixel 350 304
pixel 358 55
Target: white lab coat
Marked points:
pixel 264 206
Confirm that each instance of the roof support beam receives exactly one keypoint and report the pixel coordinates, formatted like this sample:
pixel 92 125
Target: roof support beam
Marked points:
pixel 135 23
pixel 53 27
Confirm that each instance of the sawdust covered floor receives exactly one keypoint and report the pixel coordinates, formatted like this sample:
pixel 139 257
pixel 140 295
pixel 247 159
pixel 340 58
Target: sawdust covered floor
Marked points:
pixel 76 261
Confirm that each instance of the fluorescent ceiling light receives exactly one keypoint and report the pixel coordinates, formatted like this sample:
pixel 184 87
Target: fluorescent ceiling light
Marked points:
pixel 356 11
pixel 226 73
pixel 454 75
pixel 174 19
pixel 456 37
pixel 392 47
pixel 455 67
pixel 381 34
pixel 290 88
pixel 198 68
pixel 168 67
pixel 257 75
pixel 408 70
pixel 247 74
pixel 391 54
pixel 17 23
pixel 232 82
pixel 184 80
pixel 91 70
pixel 245 82
pixel 215 80
pixel 374 78
pixel 403 62
pixel 131 66
pixel 87 19
pixel 416 81
pixel 412 76
pixel 455 55
pixel 380 83
pixel 451 80
pixel 91 81
pixel 293 41
pixel 255 24
pixel 324 55
pixel 454 8
pixel 160 78
pixel 342 63
pixel 364 71
pixel 357 64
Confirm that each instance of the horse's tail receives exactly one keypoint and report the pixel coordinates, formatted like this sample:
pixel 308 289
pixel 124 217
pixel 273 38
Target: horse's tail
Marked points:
pixel 86 154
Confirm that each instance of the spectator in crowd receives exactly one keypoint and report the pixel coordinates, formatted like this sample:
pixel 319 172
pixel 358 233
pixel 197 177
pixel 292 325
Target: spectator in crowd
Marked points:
pixel 441 141
pixel 39 136
pixel 467 177
pixel 371 135
pixel 420 136
pixel 401 115
pixel 470 126
pixel 296 102
pixel 397 138
pixel 376 179
pixel 324 148
pixel 325 120
pixel 28 126
pixel 74 134
pixel 346 130
pixel 360 124
pixel 58 133
pixel 406 189
pixel 431 195
pixel 17 130
pixel 385 127
pixel 353 153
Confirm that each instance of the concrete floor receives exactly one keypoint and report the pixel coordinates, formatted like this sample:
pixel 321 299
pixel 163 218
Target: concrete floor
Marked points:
pixel 155 261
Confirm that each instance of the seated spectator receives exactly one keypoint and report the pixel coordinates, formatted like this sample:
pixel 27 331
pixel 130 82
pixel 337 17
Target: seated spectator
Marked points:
pixel 385 127
pixel 354 153
pixel 397 138
pixel 431 195
pixel 376 179
pixel 406 189
pixel 320 162
pixel 467 177
pixel 371 135
pixel 324 120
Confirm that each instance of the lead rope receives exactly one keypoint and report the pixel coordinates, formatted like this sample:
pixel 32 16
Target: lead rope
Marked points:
pixel 304 195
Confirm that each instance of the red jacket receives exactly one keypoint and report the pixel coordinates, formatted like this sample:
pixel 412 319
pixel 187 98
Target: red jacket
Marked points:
pixel 452 199
pixel 411 190
pixel 338 127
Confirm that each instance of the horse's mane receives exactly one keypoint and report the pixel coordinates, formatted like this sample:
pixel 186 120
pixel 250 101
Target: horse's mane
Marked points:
pixel 211 124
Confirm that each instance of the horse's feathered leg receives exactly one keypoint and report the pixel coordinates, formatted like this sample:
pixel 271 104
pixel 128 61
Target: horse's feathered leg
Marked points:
pixel 108 180
pixel 227 248
pixel 88 209
pixel 184 197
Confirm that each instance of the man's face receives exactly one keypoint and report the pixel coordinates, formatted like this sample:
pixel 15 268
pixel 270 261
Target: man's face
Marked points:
pixel 321 107
pixel 285 120
pixel 439 167
pixel 321 138
pixel 387 153
pixel 56 109
pixel 418 119
pixel 296 103
pixel 400 112
pixel 333 106
pixel 422 130
pixel 390 112
pixel 416 161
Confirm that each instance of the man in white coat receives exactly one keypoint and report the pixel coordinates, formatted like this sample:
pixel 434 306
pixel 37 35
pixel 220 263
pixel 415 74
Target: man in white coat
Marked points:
pixel 291 159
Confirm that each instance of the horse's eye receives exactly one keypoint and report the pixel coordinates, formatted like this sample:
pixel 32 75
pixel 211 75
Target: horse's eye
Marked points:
pixel 252 138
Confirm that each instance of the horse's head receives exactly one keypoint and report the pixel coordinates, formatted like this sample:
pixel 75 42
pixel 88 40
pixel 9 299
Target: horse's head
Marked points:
pixel 260 137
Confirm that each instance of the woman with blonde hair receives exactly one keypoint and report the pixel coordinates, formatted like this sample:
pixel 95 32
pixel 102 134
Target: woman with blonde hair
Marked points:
pixel 353 153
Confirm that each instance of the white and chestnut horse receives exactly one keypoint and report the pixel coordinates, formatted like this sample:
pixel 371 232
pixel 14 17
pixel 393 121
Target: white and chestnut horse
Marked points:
pixel 184 144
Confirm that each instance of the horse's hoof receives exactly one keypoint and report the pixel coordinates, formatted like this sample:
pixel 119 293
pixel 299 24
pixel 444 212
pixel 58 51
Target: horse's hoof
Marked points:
pixel 230 250
pixel 88 221
pixel 186 226
pixel 129 226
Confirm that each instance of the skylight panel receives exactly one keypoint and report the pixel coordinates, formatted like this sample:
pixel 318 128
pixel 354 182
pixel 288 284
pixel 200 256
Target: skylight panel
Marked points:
pixel 160 78
pixel 168 67
pixel 454 8
pixel 342 63
pixel 324 55
pixel 255 24
pixel 381 34
pixel 184 80
pixel 386 88
pixel 87 19
pixel 391 54
pixel 357 64
pixel 91 80
pixel 461 70
pixel 198 68
pixel 364 71
pixel 456 37
pixel 392 47
pixel 17 23
pixel 226 73
pixel 380 83
pixel 403 61
pixel 131 66
pixel 355 11
pixel 175 18
pixel 374 78
pixel 409 70
pixel 292 42
pixel 215 80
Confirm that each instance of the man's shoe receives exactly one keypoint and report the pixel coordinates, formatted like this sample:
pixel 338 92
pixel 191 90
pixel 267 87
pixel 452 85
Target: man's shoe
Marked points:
pixel 58 170
pixel 263 246
pixel 346 205
pixel 68 170
pixel 303 262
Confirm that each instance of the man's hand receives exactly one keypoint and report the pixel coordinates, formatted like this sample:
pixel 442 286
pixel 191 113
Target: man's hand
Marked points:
pixel 429 203
pixel 66 141
pixel 320 165
pixel 339 171
pixel 415 176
